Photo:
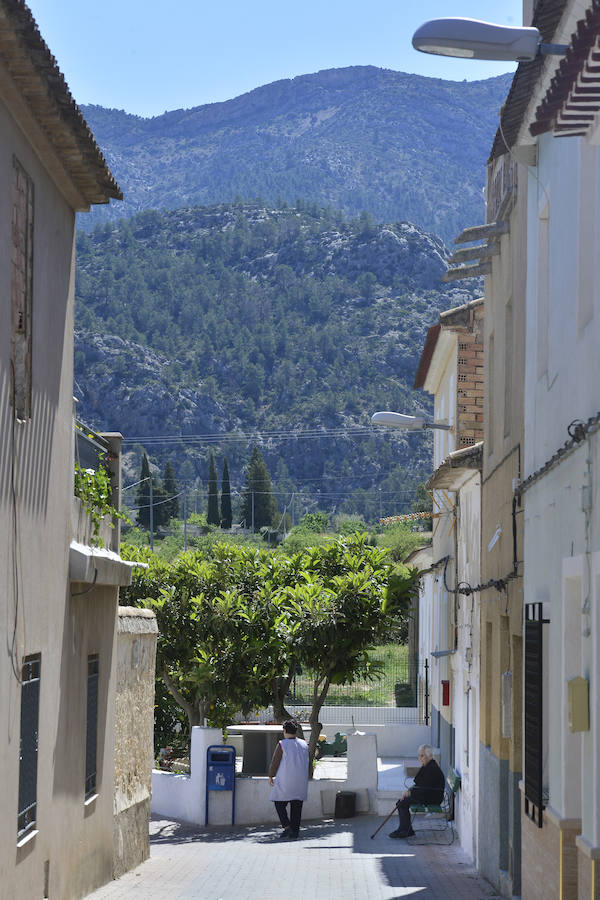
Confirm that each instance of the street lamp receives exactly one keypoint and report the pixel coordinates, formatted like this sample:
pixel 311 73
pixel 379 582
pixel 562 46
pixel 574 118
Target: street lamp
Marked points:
pixel 473 39
pixel 410 423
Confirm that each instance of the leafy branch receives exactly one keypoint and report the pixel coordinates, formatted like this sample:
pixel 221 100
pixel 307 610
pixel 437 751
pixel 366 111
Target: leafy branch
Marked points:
pixel 93 488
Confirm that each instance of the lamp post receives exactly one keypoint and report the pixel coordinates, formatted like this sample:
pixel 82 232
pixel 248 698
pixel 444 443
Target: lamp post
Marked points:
pixel 409 423
pixel 473 39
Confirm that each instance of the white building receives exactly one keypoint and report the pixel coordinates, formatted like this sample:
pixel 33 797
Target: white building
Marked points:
pixel 448 610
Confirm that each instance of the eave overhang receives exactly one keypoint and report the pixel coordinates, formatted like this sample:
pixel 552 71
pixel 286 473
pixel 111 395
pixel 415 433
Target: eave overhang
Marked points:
pixel 547 18
pixel 571 105
pixel 37 95
pixel 458 468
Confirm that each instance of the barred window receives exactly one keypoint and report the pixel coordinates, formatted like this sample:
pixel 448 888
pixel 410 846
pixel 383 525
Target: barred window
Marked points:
pixel 533 712
pixel 91 731
pixel 462 361
pixel 28 753
pixel 462 377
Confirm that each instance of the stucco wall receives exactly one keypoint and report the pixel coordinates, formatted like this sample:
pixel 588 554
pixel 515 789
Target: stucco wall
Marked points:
pixel 134 723
pixel 562 534
pixel 39 609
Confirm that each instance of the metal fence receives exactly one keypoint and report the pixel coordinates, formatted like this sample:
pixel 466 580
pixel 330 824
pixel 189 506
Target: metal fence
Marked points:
pixel 404 683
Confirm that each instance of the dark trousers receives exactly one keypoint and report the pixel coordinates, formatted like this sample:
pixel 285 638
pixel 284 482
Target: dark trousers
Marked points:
pixel 295 814
pixel 404 814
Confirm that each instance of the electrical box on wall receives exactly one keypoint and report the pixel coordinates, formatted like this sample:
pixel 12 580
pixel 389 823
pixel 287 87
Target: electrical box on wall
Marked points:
pixel 445 692
pixel 579 704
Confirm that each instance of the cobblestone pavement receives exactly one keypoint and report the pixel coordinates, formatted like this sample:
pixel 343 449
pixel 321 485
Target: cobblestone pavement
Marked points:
pixel 332 860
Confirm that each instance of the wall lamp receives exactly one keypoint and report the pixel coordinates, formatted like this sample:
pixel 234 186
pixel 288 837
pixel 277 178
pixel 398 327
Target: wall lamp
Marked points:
pixel 472 39
pixel 410 423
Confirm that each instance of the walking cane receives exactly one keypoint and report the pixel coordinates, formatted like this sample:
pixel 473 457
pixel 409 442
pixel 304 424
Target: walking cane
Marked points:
pixel 385 820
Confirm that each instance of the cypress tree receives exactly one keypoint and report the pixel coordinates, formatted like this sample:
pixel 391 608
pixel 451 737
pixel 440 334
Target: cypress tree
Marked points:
pixel 171 489
pixel 226 517
pixel 258 489
pixel 212 514
pixel 142 499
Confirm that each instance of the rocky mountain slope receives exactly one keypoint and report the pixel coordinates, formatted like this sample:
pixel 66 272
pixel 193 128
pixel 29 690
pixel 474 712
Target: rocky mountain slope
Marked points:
pixel 402 147
pixel 247 318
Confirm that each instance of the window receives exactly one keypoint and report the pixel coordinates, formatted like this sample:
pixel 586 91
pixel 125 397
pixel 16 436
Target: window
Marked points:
pixel 491 408
pixel 588 191
pixel 91 731
pixel 543 292
pixel 533 712
pixel 28 755
pixel 21 290
pixel 508 366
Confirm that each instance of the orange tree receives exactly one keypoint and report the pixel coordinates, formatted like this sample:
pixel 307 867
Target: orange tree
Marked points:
pixel 234 627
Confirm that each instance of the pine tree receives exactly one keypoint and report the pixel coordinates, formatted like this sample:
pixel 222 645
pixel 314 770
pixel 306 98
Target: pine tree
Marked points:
pixel 142 499
pixel 212 514
pixel 258 494
pixel 171 489
pixel 226 517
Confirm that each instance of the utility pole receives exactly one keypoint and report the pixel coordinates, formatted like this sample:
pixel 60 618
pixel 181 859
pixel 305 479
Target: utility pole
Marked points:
pixel 151 515
pixel 252 512
pixel 185 517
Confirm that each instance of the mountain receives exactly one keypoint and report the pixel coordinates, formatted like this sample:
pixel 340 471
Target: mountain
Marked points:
pixel 402 147
pixel 245 318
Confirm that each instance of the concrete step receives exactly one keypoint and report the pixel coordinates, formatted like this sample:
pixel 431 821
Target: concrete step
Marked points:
pixel 385 801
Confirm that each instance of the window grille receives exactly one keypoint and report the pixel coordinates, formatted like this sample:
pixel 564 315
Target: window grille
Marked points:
pixel 28 754
pixel 467 441
pixel 91 736
pixel 462 361
pixel 462 377
pixel 463 346
pixel 533 700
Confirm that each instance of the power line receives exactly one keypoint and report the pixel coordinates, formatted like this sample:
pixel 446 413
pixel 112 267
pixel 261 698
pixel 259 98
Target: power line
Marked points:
pixel 245 437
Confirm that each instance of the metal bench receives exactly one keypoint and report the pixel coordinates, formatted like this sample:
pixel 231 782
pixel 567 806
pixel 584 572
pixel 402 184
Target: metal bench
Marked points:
pixel 429 820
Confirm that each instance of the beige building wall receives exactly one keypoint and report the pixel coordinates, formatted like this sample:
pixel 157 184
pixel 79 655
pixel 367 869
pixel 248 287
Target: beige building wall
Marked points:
pixel 134 723
pixel 70 851
pixel 502 607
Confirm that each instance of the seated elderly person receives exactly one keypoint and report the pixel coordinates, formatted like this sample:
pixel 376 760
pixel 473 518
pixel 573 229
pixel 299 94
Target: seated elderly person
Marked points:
pixel 428 790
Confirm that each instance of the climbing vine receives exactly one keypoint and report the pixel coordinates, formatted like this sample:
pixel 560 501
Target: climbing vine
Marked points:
pixel 93 488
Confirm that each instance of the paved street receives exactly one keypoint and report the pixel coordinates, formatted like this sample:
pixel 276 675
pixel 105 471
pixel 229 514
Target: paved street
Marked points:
pixel 332 860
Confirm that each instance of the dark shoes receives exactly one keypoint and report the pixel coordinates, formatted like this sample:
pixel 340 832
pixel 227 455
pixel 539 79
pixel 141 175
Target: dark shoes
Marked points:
pixel 287 835
pixel 401 834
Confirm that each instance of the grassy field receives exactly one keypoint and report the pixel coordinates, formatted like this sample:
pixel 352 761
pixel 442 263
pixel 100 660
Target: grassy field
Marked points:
pixel 394 658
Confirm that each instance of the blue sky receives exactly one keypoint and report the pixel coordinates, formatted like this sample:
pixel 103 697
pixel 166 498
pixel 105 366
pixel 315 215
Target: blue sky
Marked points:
pixel 147 56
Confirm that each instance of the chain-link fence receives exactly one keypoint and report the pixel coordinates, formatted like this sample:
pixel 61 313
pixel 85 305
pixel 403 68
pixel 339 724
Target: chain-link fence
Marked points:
pixel 398 686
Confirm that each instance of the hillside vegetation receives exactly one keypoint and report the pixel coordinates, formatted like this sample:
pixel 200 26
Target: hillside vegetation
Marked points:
pixel 241 317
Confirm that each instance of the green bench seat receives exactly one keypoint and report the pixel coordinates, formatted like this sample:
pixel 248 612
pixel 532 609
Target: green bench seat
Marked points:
pixel 439 816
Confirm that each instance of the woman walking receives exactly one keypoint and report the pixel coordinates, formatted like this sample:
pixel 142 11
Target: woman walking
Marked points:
pixel 288 776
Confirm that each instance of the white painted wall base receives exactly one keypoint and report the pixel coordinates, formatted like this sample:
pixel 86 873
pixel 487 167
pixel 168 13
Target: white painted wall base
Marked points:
pixel 182 797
